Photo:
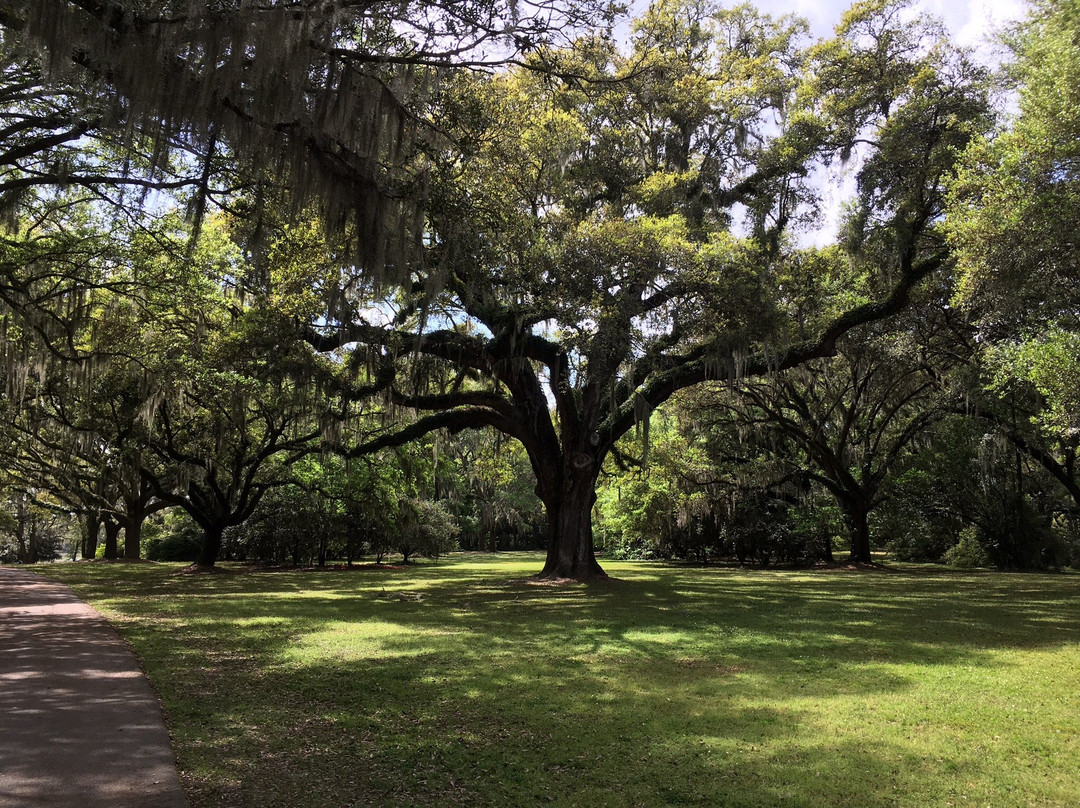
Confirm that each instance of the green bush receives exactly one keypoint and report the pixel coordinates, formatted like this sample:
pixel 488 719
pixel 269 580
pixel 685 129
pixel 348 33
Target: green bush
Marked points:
pixel 180 540
pixel 427 528
pixel 968 553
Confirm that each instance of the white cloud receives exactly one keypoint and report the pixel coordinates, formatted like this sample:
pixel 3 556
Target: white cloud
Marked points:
pixel 977 23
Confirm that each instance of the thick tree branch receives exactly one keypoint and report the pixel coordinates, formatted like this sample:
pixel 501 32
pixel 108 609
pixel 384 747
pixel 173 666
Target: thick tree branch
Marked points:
pixel 451 420
pixel 701 365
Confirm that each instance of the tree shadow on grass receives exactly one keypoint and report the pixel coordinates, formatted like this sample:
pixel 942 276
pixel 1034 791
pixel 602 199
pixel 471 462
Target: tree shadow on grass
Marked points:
pixel 456 685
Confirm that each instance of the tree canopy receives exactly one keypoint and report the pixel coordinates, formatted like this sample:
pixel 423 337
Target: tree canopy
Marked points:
pixel 245 237
pixel 331 94
pixel 600 243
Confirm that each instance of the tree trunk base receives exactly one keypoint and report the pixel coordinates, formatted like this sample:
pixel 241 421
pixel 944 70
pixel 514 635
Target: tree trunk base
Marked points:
pixel 559 573
pixel 199 567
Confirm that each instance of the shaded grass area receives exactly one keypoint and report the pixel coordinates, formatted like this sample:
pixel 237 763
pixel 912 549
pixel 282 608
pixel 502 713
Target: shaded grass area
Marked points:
pixel 463 683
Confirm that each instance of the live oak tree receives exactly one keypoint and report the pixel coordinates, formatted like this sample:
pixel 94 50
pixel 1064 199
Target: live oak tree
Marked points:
pixel 1012 222
pixel 150 383
pixel 325 94
pixel 82 445
pixel 229 400
pixel 606 234
pixel 1021 392
pixel 32 528
pixel 1014 205
pixel 598 229
pixel 852 418
pixel 72 192
pixel 58 263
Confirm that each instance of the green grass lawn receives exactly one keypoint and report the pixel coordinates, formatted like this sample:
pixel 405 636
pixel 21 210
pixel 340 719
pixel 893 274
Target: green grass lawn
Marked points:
pixel 462 683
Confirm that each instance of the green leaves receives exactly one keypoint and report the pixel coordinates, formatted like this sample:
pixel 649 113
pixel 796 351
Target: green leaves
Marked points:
pixel 1014 207
pixel 1051 364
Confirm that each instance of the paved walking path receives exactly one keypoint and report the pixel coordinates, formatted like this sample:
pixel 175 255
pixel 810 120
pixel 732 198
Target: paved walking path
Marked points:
pixel 80 726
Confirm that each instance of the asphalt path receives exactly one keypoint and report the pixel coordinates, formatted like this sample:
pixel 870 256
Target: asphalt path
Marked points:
pixel 80 726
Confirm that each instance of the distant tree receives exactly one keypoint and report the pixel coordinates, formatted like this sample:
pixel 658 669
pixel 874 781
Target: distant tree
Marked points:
pixel 227 423
pixel 162 385
pixel 85 442
pixel 1012 222
pixel 31 527
pixel 426 528
pixel 670 506
pixel 1028 396
pixel 853 418
pixel 175 538
pixel 487 483
pixel 969 483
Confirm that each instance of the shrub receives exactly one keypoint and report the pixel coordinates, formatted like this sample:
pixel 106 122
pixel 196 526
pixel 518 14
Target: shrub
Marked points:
pixel 427 528
pixel 968 553
pixel 179 540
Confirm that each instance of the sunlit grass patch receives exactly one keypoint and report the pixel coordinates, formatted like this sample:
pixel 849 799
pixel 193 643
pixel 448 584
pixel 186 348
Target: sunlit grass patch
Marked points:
pixel 462 683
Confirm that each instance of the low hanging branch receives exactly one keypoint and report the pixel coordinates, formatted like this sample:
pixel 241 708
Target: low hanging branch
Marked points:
pixel 332 94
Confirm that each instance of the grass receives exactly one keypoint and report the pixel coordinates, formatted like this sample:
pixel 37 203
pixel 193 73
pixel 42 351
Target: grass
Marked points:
pixel 462 683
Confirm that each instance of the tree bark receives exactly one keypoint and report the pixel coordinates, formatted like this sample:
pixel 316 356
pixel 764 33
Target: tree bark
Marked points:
pixel 570 536
pixel 133 537
pixel 24 551
pixel 92 529
pixel 859 525
pixel 112 532
pixel 211 545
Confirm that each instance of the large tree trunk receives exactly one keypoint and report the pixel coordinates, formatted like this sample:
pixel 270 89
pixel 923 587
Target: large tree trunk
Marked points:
pixel 570 537
pixel 133 537
pixel 211 545
pixel 136 511
pixel 859 526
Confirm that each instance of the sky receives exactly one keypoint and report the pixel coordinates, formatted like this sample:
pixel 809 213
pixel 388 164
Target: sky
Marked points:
pixel 971 21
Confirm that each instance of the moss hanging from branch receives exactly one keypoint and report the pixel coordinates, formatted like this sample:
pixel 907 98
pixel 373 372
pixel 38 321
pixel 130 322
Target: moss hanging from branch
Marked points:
pixel 330 94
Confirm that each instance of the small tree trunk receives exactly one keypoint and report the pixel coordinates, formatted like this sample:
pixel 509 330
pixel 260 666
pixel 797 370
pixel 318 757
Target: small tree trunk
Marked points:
pixel 112 532
pixel 34 542
pixel 24 552
pixel 92 529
